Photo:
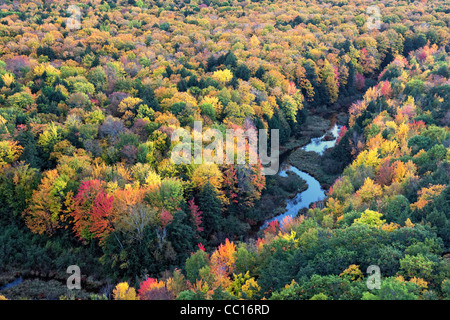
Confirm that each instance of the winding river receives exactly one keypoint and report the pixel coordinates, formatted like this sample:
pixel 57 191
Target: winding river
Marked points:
pixel 304 199
pixel 314 192
pixel 14 283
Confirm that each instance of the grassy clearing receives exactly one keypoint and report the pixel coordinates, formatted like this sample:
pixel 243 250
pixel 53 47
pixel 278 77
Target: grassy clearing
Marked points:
pixel 278 189
pixel 311 163
pixel 315 126
pixel 43 290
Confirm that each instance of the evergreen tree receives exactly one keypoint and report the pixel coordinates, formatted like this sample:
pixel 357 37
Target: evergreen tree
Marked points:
pixel 260 72
pixel 192 82
pixel 211 206
pixel 211 64
pixel 243 72
pixel 181 235
pixel 229 60
pixel 182 85
pixel 350 87
pixel 312 74
pixel 30 153
pixel 145 92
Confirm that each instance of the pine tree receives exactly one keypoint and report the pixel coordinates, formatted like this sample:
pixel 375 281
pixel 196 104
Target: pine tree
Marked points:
pixel 182 85
pixel 211 64
pixel 30 153
pixel 211 206
pixel 260 72
pixel 145 92
pixel 230 60
pixel 243 72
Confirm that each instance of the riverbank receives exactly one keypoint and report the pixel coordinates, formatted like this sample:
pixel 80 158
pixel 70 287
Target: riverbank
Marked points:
pixel 309 159
pixel 282 191
pixel 31 285
pixel 310 162
pixel 317 133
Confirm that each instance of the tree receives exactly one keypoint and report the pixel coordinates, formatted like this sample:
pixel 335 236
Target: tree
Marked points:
pixel 16 188
pixel 207 173
pixel 393 289
pixel 330 80
pixel 123 291
pixel 353 272
pixel 152 289
pixel 360 82
pixel 211 206
pixel 385 173
pixel 417 266
pixel 146 93
pixel 229 60
pixel 223 262
pixel 243 286
pixel 290 107
pixel 10 151
pixel 369 191
pixel 370 218
pixel 127 107
pixel 194 264
pixel 260 72
pixel 22 100
pixel 49 137
pixel 92 211
pixel 304 83
pixel 196 215
pixel 243 72
pixel 426 195
pixel 223 76
pixel 44 214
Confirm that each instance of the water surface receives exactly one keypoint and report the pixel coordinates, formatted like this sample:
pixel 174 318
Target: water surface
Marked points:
pixel 314 192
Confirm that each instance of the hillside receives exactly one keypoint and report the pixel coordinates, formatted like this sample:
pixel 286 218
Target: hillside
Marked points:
pixel 91 94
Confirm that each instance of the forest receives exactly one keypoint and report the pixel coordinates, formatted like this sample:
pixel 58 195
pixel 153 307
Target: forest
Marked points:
pixel 91 92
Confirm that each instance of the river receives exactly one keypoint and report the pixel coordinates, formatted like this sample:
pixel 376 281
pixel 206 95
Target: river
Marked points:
pixel 304 199
pixel 314 192
pixel 13 283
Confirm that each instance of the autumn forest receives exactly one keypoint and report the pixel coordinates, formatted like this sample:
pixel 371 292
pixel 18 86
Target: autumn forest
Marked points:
pixel 92 92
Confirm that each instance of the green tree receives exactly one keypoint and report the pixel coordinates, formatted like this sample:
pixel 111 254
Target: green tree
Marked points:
pixel 211 206
pixel 243 72
pixel 329 80
pixel 393 289
pixel 194 264
pixel 417 266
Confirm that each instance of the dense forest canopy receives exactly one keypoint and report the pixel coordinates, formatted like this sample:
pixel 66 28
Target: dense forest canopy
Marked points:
pixel 87 112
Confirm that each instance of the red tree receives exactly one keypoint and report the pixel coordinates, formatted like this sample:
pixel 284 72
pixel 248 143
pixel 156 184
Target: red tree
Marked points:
pixel 196 215
pixel 92 211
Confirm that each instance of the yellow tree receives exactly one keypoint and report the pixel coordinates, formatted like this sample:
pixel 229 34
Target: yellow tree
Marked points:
pixel 369 191
pixel 403 171
pixel 10 151
pixel 426 195
pixel 124 292
pixel 207 172
pixel 127 107
pixel 353 272
pixel 367 158
pixel 370 218
pixel 44 214
pixel 223 262
pixel 223 76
